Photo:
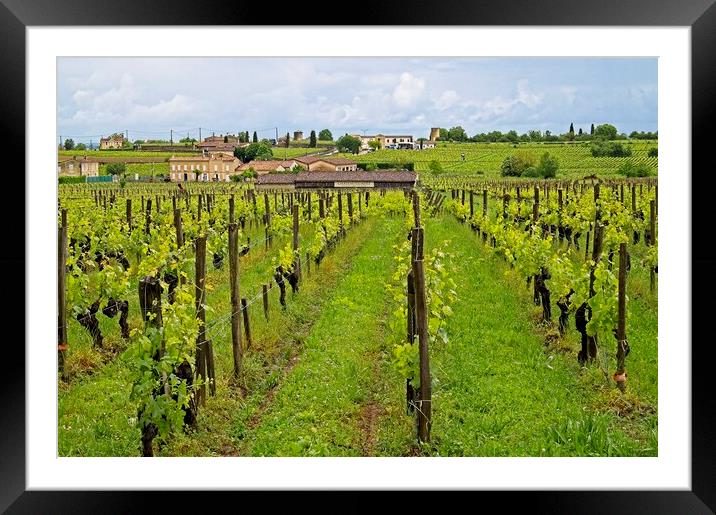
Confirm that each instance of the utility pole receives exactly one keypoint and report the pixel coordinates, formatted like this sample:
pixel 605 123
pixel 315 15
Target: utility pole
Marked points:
pixel 277 135
pixel 171 137
pixel 126 134
pixel 199 134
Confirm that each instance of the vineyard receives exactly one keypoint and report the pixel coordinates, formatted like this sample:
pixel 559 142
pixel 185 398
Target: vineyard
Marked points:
pixel 471 317
pixel 484 159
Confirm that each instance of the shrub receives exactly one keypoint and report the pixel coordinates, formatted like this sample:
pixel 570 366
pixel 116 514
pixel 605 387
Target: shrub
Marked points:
pixel 601 148
pixel 630 169
pixel 116 168
pixel 516 163
pixel 653 152
pixel 71 180
pixel 435 166
pixel 530 172
pixel 548 166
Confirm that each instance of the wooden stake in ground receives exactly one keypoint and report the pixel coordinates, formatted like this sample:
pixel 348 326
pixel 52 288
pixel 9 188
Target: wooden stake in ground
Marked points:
pixel 180 239
pixel 200 296
pixel 150 304
pixel 234 287
pixel 61 294
pixel 622 345
pixel 421 317
pixel 652 241
pixel 247 327
pixel 129 214
pixel 297 256
pixel 264 291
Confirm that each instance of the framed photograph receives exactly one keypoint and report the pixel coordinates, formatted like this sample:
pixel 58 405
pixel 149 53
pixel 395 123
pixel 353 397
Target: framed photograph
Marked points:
pixel 233 213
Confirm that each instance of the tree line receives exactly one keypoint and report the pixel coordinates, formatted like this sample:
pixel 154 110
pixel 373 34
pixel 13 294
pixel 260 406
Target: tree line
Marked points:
pixel 604 131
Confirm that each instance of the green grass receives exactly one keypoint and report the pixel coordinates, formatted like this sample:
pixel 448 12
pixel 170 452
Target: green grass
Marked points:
pixel 500 391
pixel 327 404
pixel 318 379
pixel 96 417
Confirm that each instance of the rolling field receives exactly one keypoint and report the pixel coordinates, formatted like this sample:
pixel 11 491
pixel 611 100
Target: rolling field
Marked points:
pixel 484 159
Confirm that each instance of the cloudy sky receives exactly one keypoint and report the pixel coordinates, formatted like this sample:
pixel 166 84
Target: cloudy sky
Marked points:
pixel 150 96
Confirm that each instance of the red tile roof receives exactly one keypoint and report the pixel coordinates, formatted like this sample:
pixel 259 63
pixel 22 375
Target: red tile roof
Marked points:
pixel 265 165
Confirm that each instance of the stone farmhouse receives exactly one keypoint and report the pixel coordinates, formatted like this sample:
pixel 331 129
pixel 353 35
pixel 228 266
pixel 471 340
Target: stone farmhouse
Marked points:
pixel 264 167
pixel 114 141
pixel 214 167
pixel 217 144
pixel 385 140
pixel 327 164
pixel 77 166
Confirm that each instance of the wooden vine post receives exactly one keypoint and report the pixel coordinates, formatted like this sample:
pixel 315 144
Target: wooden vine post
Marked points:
pixel 340 211
pixel 150 304
pixel 349 196
pixel 592 346
pixel 560 233
pixel 309 206
pixel 200 298
pixel 234 287
pixel 296 255
pixel 484 214
pixel 421 317
pixel 148 220
pixel 61 294
pixel 264 291
pixel 410 397
pixel 652 240
pixel 267 206
pixel 129 214
pixel 247 327
pixel 535 217
pixel 180 239
pixel 622 345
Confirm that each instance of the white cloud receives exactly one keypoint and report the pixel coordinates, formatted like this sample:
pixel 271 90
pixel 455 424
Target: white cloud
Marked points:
pixel 570 93
pixel 448 99
pixel 409 90
pixel 525 96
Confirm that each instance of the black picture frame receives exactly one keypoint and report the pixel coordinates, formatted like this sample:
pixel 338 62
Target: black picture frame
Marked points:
pixel 699 15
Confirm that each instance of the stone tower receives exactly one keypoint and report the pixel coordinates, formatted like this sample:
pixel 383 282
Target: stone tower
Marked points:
pixel 297 135
pixel 434 133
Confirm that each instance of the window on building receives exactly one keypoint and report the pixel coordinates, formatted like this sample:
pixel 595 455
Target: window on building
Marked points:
pixel 185 168
pixel 216 167
pixel 172 169
pixel 204 167
pixel 226 168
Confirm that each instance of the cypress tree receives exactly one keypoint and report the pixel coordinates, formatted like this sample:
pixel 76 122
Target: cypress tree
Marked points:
pixel 312 142
pixel 592 131
pixel 256 138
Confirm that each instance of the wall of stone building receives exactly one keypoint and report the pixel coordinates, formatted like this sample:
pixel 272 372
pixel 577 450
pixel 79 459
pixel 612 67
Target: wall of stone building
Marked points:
pixel 321 166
